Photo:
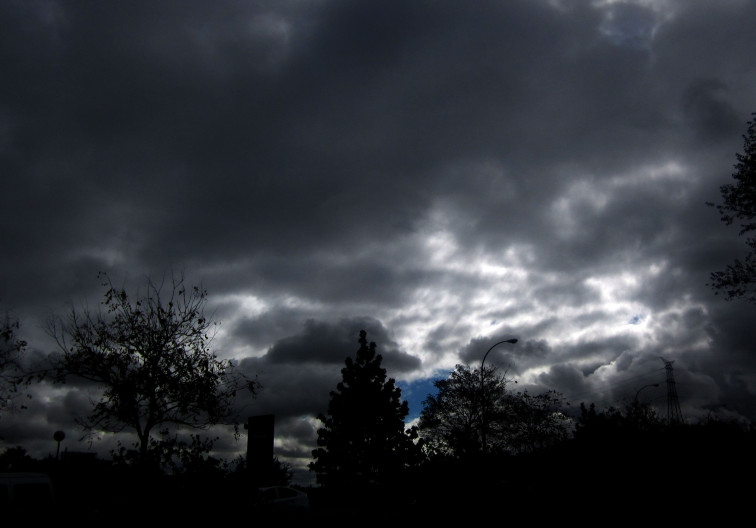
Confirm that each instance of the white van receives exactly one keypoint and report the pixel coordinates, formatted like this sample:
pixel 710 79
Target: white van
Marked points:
pixel 22 491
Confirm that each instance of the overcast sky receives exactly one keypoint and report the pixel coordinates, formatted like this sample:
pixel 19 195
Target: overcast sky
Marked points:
pixel 442 174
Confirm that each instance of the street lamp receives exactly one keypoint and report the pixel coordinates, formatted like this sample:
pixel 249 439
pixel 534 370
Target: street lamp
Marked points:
pixel 644 387
pixel 511 341
pixel 640 414
pixel 58 436
pixel 483 400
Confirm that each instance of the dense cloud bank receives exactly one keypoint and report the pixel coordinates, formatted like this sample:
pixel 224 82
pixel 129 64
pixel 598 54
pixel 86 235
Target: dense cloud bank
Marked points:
pixel 444 176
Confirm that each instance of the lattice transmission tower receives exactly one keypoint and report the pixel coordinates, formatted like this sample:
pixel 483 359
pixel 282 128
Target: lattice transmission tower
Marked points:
pixel 674 414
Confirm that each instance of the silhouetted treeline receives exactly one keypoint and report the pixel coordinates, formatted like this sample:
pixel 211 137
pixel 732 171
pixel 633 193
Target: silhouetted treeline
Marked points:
pixel 615 465
pixel 613 462
pixel 480 451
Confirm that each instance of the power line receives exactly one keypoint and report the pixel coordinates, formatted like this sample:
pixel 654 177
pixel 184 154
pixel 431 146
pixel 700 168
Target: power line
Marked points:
pixel 611 390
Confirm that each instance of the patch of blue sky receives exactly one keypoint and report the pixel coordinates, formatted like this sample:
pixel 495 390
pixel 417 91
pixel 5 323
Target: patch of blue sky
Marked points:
pixel 415 392
pixel 637 319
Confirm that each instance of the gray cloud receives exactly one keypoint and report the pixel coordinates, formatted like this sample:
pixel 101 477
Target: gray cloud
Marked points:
pixel 444 176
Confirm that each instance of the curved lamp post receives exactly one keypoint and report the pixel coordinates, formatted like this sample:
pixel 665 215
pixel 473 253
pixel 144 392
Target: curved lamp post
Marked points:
pixel 58 436
pixel 483 410
pixel 644 387
pixel 637 411
pixel 511 341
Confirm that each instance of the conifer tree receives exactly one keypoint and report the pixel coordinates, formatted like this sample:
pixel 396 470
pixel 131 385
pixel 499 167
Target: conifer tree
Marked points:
pixel 363 442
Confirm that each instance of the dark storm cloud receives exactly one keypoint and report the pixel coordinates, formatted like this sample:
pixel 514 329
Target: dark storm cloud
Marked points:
pixel 709 110
pixel 269 326
pixel 327 344
pixel 568 377
pixel 143 62
pixel 143 76
pixel 49 410
pixel 382 274
pixel 477 348
pixel 441 175
pixel 298 373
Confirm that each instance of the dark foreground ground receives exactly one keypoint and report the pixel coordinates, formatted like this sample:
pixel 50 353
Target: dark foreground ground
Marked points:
pixel 608 480
pixel 527 496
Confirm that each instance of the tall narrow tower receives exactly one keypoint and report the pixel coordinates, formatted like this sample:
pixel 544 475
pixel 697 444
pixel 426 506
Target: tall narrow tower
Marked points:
pixel 674 414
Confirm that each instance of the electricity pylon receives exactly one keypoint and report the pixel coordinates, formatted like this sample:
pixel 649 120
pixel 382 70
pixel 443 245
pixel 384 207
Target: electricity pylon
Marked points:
pixel 674 414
